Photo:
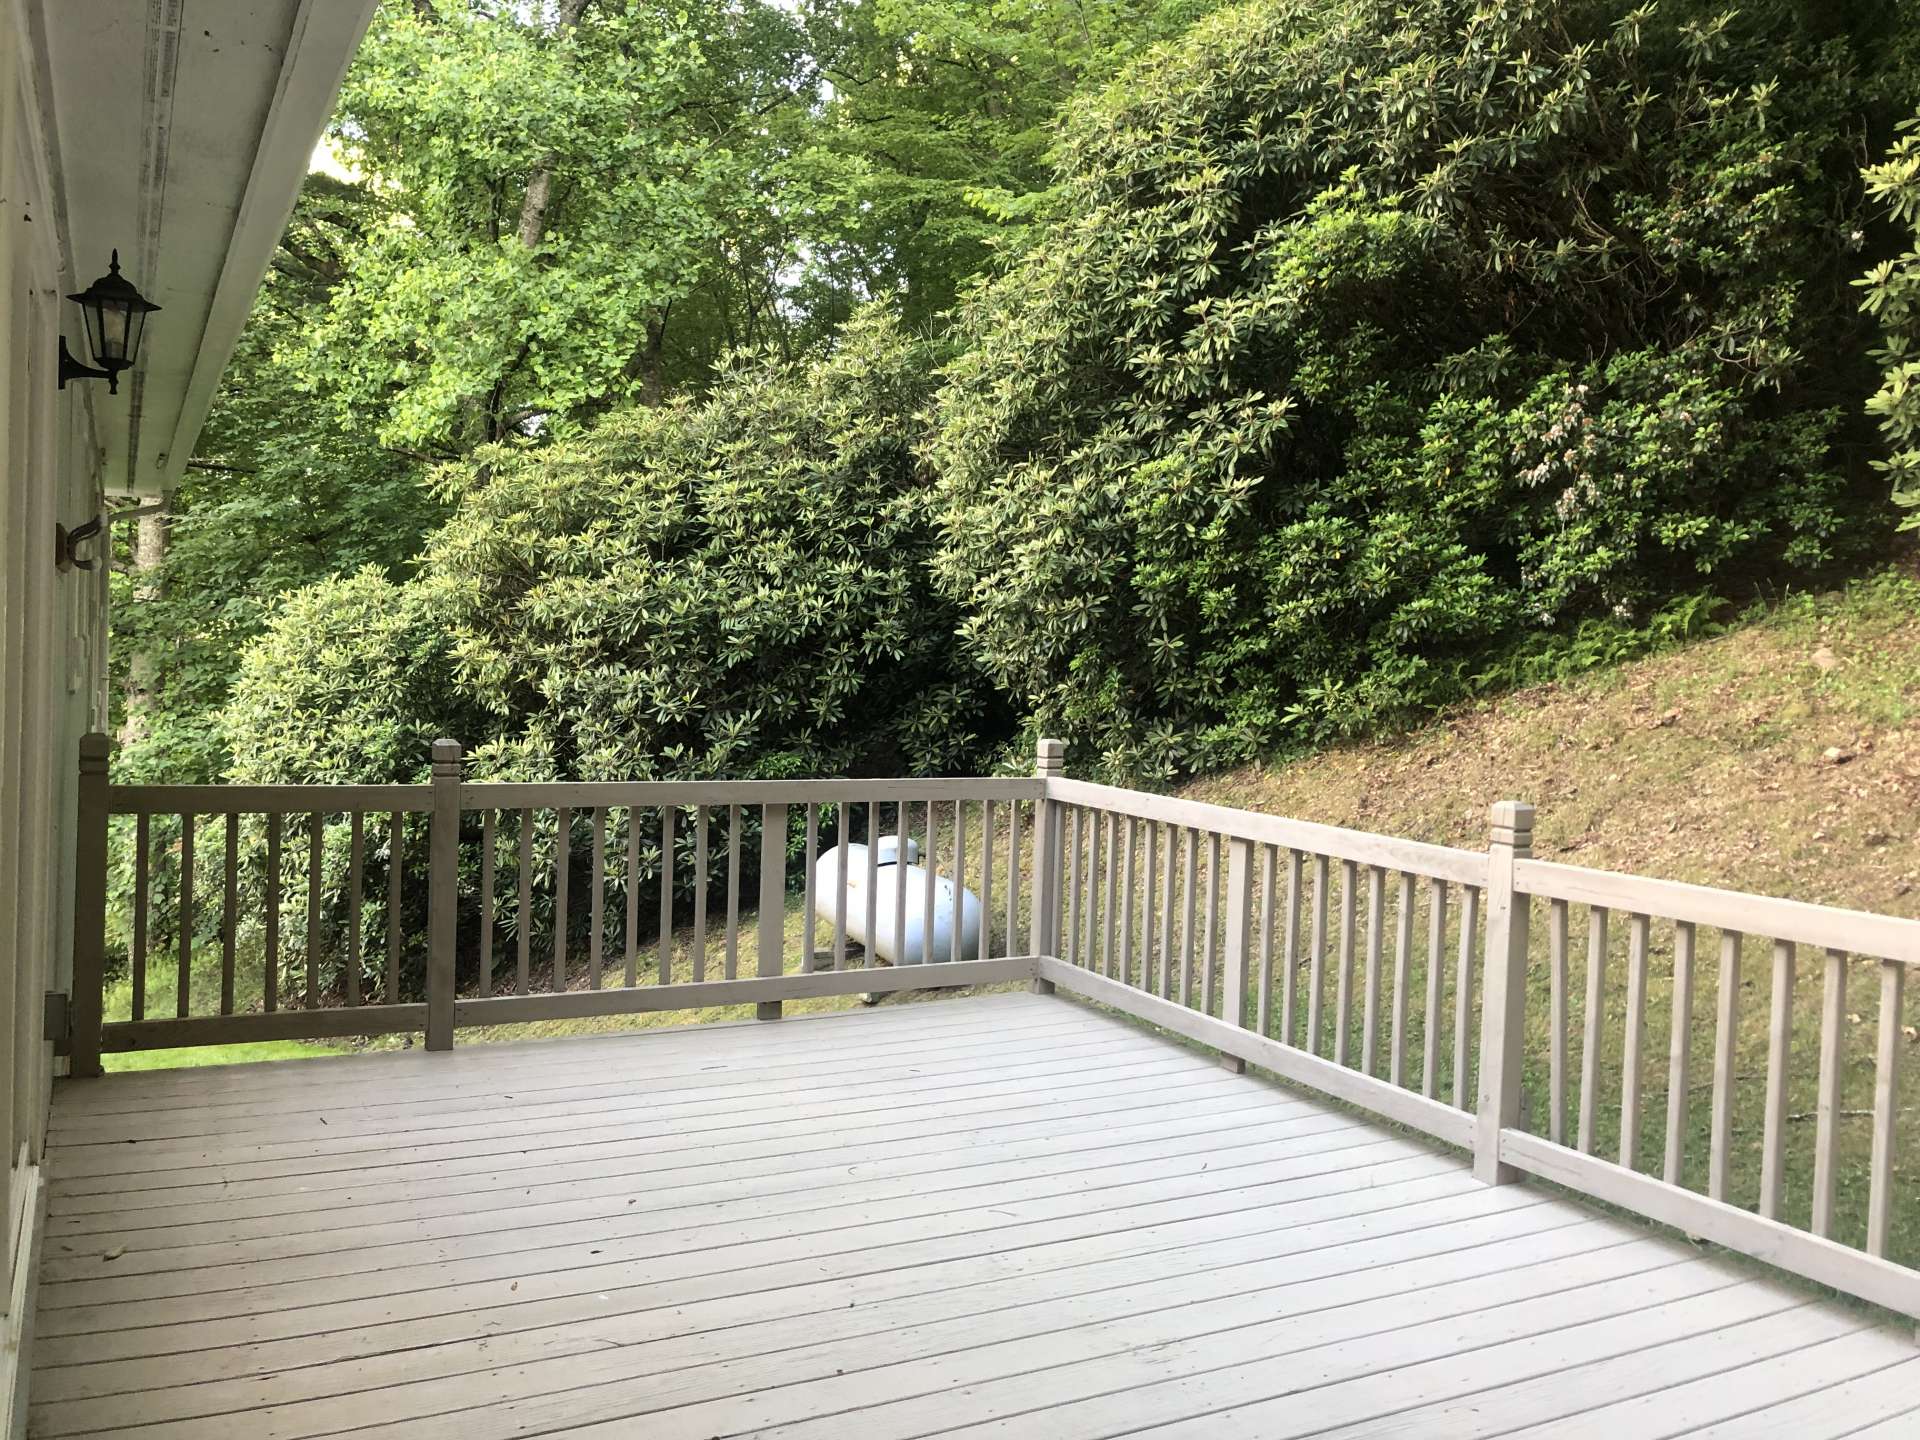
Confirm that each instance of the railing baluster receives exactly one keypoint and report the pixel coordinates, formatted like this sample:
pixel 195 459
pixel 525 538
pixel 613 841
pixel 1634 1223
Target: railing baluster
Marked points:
pixel 929 854
pixel 1679 1051
pixel 1269 918
pixel 1633 1061
pixel 1343 980
pixel 1592 1021
pixel 1290 948
pixel 1317 952
pixel 316 839
pixel 270 979
pixel 1886 1105
pixel 985 948
pixel 702 878
pixel 1167 914
pixel 733 892
pixel 1014 946
pixel 1557 1022
pixel 1237 938
pixel 396 839
pixel 663 954
pixel 1402 980
pixel 183 994
pixel 873 888
pixel 1190 878
pixel 523 914
pixel 1070 817
pixel 486 901
pixel 1149 914
pixel 1726 1020
pixel 1110 960
pixel 630 921
pixel 1091 919
pixel 1209 945
pixel 1463 998
pixel 809 921
pixel 1833 1007
pixel 141 863
pixel 597 898
pixel 230 913
pixel 1115 956
pixel 959 879
pixel 1436 969
pixel 770 949
pixel 843 871
pixel 1779 1052
pixel 903 824
pixel 356 858
pixel 1376 942
pixel 562 873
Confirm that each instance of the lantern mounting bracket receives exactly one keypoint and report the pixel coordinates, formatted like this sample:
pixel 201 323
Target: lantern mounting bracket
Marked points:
pixel 72 369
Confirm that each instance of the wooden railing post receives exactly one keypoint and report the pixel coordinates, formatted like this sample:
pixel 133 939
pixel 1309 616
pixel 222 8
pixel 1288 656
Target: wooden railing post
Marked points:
pixel 1503 1011
pixel 443 888
pixel 1239 940
pixel 773 902
pixel 89 908
pixel 1049 763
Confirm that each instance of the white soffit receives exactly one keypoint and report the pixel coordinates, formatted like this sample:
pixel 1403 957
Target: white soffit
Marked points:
pixel 179 132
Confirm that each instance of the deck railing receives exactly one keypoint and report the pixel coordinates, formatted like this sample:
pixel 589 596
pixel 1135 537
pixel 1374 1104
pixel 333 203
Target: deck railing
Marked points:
pixel 1428 985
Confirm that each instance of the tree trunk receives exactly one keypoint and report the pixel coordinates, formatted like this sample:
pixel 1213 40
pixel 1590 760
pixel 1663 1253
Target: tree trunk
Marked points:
pixel 650 357
pixel 143 666
pixel 533 208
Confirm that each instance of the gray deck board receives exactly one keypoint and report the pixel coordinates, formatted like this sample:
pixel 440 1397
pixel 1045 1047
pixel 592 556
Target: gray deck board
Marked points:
pixel 1005 1216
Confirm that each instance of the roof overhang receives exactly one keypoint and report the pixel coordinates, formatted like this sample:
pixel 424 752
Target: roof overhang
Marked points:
pixel 179 132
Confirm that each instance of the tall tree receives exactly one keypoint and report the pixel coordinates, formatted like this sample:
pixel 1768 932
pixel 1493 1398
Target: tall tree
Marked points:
pixel 561 184
pixel 938 117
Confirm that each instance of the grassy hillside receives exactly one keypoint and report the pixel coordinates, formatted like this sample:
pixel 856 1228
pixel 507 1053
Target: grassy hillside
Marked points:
pixel 1782 757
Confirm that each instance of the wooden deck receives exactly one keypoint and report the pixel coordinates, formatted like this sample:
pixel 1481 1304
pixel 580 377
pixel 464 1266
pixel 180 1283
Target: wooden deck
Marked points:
pixel 1003 1215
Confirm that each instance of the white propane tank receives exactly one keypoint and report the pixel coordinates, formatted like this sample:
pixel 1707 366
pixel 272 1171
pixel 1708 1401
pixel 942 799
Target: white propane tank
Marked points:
pixel 908 947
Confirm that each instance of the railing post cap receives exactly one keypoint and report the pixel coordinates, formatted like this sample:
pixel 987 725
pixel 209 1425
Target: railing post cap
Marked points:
pixel 446 752
pixel 1512 826
pixel 1050 749
pixel 1511 814
pixel 95 747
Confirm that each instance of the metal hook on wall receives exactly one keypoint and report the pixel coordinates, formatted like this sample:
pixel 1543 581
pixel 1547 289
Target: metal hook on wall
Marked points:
pixel 67 544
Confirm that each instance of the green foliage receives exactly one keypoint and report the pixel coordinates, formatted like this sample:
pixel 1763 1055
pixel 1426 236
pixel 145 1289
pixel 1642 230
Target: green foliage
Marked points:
pixel 557 188
pixel 1372 336
pixel 350 683
pixel 1893 298
pixel 937 131
pixel 277 497
pixel 726 588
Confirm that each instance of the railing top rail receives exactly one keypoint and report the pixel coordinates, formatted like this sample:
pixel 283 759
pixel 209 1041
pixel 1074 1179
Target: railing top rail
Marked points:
pixel 534 795
pixel 1858 932
pixel 264 799
pixel 1440 862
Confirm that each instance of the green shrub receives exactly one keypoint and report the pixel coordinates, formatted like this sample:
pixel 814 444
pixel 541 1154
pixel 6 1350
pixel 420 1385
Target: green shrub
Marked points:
pixel 1376 336
pixel 730 588
pixel 351 683
pixel 1893 298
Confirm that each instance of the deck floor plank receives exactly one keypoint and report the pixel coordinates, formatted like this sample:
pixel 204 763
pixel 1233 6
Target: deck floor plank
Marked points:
pixel 1006 1215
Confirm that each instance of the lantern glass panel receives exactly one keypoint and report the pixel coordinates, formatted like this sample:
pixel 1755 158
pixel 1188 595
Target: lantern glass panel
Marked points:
pixel 113 333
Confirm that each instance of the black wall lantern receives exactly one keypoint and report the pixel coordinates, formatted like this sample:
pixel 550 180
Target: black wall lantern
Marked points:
pixel 116 315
